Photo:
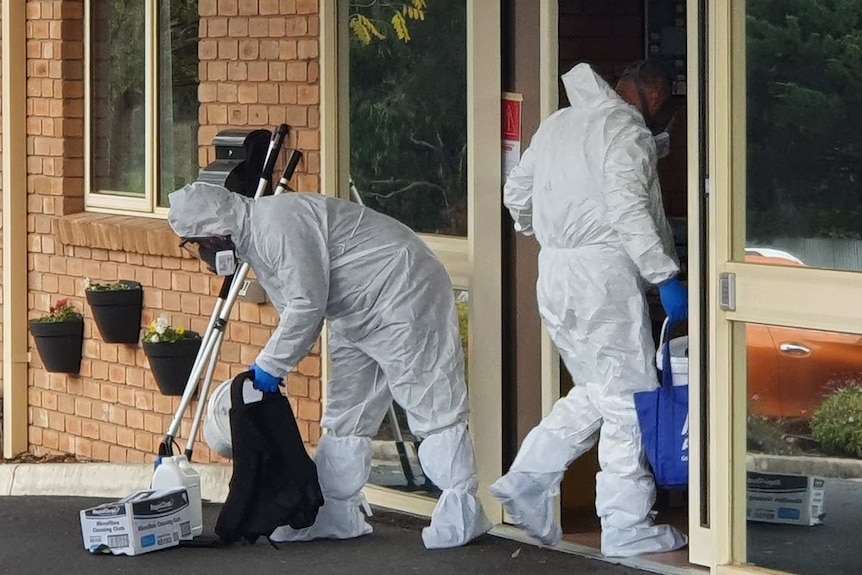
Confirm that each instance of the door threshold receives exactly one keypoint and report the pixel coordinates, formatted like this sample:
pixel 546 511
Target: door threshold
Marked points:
pixel 642 563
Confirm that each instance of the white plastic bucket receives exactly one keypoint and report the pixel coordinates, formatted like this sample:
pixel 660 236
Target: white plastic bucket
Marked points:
pixel 217 421
pixel 678 356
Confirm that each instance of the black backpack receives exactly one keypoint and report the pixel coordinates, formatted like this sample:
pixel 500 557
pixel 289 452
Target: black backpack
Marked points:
pixel 274 480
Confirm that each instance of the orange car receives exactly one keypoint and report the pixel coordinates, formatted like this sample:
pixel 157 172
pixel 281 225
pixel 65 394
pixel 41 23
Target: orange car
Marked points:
pixel 792 370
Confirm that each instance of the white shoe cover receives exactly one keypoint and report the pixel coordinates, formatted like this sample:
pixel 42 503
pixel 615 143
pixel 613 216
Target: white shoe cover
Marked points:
pixel 457 520
pixel 335 520
pixel 448 461
pixel 640 540
pixel 343 465
pixel 530 504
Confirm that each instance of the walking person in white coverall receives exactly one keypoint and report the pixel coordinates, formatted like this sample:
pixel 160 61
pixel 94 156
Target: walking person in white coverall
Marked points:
pixel 587 187
pixel 393 335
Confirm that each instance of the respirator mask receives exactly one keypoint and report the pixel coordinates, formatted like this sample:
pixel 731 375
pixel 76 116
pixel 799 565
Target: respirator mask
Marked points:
pixel 217 252
pixel 659 124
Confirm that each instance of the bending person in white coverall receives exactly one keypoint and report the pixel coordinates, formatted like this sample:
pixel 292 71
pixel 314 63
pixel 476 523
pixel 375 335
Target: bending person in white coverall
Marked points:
pixel 394 334
pixel 588 188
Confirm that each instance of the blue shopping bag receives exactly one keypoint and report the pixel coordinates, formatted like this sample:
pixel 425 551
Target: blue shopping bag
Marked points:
pixel 663 417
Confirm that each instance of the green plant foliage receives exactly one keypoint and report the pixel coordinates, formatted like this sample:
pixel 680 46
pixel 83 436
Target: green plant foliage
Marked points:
pixel 408 116
pixel 60 312
pixel 161 331
pixel 110 286
pixel 837 425
pixel 463 308
pixel 804 106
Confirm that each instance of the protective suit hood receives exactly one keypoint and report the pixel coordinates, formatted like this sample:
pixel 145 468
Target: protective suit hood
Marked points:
pixel 205 210
pixel 586 89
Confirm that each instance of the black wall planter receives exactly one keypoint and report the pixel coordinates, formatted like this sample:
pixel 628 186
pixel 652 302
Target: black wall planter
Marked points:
pixel 118 312
pixel 59 344
pixel 171 363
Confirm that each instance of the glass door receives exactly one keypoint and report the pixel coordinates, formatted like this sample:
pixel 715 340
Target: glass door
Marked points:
pixel 410 120
pixel 788 249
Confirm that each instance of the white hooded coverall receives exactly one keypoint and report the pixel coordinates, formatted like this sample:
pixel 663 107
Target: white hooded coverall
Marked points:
pixel 394 334
pixel 588 188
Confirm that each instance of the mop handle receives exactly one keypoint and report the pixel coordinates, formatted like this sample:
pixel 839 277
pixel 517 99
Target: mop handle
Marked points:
pixel 166 448
pixel 278 137
pixel 288 172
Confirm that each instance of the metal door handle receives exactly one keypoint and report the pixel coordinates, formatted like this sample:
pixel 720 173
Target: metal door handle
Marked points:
pixel 794 348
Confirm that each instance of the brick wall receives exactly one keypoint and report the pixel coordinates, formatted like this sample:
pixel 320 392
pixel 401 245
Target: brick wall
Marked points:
pixel 259 67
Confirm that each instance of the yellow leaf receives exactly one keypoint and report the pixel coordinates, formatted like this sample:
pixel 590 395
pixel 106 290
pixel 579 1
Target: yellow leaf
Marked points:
pixel 419 4
pixel 359 26
pixel 400 26
pixel 373 30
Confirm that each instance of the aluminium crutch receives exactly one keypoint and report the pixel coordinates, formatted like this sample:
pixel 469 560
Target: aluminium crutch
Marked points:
pixel 211 342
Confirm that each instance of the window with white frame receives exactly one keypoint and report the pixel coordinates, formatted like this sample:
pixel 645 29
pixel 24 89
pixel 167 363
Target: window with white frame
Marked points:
pixel 142 101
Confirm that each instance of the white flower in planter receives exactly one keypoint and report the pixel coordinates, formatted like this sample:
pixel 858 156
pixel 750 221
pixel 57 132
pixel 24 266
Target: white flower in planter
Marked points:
pixel 161 325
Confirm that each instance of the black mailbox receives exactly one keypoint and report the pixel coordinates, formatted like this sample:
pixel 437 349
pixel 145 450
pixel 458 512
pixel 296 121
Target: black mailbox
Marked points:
pixel 239 160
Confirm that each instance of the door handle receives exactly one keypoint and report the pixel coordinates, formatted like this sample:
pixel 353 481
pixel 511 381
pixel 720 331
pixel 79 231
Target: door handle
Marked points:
pixel 794 348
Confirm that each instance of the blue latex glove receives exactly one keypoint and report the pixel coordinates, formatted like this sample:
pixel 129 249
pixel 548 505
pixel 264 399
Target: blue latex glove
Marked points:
pixel 263 381
pixel 674 300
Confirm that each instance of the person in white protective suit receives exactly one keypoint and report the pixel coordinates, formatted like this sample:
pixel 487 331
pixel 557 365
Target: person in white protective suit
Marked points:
pixel 587 187
pixel 393 334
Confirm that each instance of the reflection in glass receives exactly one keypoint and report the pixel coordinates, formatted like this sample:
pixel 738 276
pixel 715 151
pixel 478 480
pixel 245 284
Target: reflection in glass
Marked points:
pixel 118 97
pixel 178 95
pixel 408 113
pixel 395 462
pixel 804 405
pixel 804 118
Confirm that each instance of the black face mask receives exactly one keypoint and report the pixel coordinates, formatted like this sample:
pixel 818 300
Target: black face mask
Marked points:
pixel 217 252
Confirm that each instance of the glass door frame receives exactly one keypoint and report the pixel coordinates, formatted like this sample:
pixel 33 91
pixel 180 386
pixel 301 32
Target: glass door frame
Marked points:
pixel 702 535
pixel 809 298
pixel 474 262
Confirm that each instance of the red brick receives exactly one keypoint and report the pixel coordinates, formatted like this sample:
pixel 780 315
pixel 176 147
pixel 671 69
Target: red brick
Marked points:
pixel 229 7
pixel 50 439
pixel 125 437
pixel 306 6
pixel 101 451
pixel 90 429
pixel 309 410
pixel 134 419
pixel 134 456
pixel 126 396
pixel 296 26
pixel 238 27
pixel 56 421
pixel 143 441
pixel 118 454
pixel 117 415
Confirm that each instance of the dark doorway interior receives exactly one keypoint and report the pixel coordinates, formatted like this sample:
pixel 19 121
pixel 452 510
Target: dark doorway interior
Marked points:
pixel 610 36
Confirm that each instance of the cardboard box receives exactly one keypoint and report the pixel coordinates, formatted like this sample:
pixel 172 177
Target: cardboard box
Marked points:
pixel 791 499
pixel 142 522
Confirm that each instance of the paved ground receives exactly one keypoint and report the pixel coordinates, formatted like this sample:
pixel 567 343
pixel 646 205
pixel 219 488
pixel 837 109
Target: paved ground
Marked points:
pixel 41 535
pixel 829 549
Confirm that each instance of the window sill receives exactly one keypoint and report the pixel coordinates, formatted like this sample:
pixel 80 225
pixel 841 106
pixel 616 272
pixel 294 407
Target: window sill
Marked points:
pixel 146 236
